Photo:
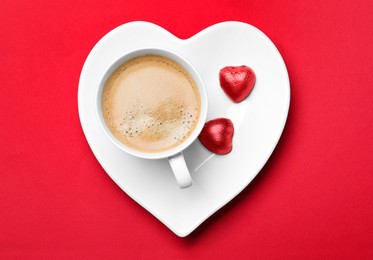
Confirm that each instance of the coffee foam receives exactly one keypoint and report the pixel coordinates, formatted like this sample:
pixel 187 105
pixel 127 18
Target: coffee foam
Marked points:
pixel 151 103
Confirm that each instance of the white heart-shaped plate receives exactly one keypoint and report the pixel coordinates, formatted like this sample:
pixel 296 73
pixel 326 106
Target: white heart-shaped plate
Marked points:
pixel 259 120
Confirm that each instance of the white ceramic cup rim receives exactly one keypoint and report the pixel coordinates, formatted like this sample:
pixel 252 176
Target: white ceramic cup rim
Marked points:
pixel 195 76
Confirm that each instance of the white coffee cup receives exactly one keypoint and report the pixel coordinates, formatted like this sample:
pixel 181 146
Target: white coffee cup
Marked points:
pixel 174 155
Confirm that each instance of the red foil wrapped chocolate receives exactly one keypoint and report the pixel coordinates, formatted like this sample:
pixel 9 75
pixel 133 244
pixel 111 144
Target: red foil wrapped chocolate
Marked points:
pixel 237 81
pixel 217 135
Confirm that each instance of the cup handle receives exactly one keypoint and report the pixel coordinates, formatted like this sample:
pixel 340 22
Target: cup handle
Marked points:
pixel 180 170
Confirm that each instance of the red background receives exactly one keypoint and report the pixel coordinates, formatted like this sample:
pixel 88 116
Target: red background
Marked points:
pixel 313 199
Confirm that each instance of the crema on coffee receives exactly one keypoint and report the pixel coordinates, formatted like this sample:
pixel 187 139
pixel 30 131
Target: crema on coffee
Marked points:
pixel 151 103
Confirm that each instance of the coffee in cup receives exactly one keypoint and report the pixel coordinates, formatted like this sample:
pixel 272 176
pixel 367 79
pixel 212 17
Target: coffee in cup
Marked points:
pixel 151 103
